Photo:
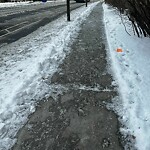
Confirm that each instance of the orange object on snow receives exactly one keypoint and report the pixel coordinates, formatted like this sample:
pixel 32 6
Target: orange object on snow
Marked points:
pixel 119 50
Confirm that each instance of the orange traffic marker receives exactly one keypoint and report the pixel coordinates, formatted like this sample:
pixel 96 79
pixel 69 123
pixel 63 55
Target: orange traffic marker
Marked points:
pixel 119 50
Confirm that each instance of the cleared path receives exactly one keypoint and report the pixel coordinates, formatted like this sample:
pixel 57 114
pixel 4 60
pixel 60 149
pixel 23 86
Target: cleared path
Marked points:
pixel 77 119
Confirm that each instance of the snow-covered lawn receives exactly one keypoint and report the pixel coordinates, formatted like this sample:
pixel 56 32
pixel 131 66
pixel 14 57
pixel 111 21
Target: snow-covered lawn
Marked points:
pixel 132 72
pixel 26 67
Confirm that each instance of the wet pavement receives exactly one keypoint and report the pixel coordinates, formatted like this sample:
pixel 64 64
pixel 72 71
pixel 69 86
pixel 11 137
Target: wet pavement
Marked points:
pixel 77 118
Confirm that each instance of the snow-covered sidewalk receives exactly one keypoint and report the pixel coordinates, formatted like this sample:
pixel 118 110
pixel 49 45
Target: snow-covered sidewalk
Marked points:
pixel 26 65
pixel 132 71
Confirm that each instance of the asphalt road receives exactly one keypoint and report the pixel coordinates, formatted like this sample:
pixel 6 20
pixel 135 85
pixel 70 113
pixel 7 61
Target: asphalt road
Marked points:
pixel 17 22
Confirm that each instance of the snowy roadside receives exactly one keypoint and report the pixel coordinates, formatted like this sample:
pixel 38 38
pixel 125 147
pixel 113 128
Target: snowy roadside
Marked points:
pixel 12 8
pixel 131 69
pixel 15 4
pixel 26 65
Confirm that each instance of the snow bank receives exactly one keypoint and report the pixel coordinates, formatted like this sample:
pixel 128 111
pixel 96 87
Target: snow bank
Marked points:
pixel 13 4
pixel 26 3
pixel 132 72
pixel 26 68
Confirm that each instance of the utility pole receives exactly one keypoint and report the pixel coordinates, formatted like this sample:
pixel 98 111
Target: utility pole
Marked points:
pixel 68 10
pixel 86 2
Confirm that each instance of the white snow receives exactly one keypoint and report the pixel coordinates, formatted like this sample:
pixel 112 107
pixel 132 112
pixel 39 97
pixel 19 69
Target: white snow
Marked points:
pixel 26 67
pixel 132 72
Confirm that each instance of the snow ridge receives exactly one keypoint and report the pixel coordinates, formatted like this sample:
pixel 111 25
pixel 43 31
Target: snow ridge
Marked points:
pixel 131 69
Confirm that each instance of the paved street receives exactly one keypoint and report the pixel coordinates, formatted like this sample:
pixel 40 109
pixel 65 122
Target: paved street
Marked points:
pixel 77 118
pixel 17 22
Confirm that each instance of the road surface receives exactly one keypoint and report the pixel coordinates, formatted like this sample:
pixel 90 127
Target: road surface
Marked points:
pixel 17 22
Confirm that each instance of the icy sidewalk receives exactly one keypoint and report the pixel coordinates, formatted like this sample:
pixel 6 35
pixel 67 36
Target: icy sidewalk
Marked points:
pixel 74 115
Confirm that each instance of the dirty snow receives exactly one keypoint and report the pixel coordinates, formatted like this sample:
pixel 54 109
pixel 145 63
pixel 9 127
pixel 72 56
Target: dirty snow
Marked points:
pixel 26 67
pixel 132 71
pixel 15 4
pixel 20 7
